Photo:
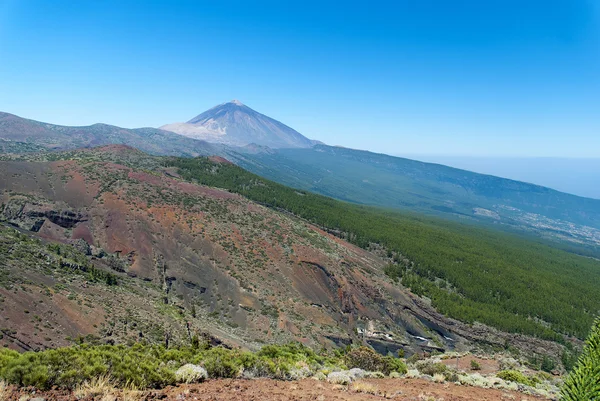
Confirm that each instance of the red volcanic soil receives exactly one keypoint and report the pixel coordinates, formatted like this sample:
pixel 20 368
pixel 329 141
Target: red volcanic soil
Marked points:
pixel 219 159
pixel 305 390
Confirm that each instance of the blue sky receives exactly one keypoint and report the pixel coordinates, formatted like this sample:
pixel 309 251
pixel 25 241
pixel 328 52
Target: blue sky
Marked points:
pixel 501 78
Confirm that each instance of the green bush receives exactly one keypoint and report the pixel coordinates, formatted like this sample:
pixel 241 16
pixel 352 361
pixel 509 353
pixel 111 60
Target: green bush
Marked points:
pixel 146 366
pixel 475 365
pixel 429 368
pixel 516 376
pixel 583 383
pixel 153 366
pixel 68 367
pixel 548 364
pixel 221 362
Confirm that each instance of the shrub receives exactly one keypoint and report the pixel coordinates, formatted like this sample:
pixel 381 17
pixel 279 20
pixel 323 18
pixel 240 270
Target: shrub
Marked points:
pixel 414 358
pixel 320 376
pixel 364 387
pixel 221 362
pixel 374 375
pixel 364 358
pixel 583 382
pixel 189 373
pixel 339 378
pixel 367 359
pixel 145 366
pixel 516 376
pixel 439 378
pixel 357 373
pixel 475 380
pixel 548 364
pixel 430 368
pixel 391 364
pixel 475 365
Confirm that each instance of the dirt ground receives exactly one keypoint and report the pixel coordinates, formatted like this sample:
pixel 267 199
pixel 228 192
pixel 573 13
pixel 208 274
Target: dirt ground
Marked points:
pixel 487 366
pixel 308 389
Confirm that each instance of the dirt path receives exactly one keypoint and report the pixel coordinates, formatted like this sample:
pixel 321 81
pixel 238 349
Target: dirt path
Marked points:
pixel 304 390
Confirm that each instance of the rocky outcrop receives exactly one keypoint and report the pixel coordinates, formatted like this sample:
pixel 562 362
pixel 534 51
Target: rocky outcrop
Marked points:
pixel 30 214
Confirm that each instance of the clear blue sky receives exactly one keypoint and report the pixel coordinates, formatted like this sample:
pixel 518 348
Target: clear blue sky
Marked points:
pixel 494 77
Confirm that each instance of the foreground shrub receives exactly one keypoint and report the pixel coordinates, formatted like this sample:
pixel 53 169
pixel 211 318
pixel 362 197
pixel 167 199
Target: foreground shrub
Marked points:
pixel 140 366
pixel 583 383
pixel 189 373
pixel 72 366
pixel 339 378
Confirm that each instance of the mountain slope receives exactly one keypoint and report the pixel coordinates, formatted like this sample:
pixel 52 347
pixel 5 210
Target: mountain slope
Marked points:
pixel 393 182
pixel 189 253
pixel 352 175
pixel 470 273
pixel 236 124
pixel 203 259
pixel 20 135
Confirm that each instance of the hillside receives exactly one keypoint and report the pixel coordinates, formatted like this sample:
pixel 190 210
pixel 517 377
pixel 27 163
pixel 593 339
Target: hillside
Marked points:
pixel 236 124
pixel 472 274
pixel 394 182
pixel 362 177
pixel 179 253
pixel 250 268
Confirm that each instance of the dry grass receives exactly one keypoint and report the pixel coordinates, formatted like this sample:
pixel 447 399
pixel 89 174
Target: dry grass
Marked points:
pixel 4 390
pixel 131 393
pixel 428 397
pixel 364 387
pixel 98 386
pixel 439 378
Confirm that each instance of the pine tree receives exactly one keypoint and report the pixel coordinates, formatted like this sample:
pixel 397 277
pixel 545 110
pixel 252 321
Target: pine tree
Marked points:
pixel 583 383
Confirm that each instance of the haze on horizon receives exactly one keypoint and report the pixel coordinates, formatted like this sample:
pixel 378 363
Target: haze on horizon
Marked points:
pixel 484 79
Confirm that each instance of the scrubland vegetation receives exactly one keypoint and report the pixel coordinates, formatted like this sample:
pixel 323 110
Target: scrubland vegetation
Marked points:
pixel 469 273
pixel 146 366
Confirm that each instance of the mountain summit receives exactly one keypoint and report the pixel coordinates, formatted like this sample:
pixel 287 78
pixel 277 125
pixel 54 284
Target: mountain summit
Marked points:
pixel 236 124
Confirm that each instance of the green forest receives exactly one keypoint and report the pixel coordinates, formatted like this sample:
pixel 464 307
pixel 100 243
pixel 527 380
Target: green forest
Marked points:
pixel 470 273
